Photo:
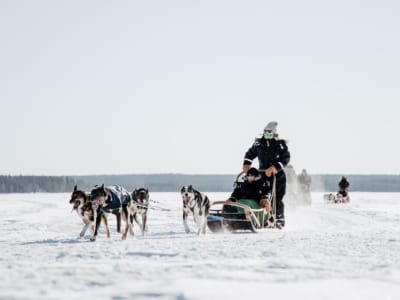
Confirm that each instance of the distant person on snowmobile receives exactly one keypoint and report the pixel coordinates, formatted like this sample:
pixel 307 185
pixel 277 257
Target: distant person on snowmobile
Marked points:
pixel 344 186
pixel 273 155
pixel 254 188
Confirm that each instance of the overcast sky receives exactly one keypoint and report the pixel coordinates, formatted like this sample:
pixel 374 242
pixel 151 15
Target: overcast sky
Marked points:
pixel 96 87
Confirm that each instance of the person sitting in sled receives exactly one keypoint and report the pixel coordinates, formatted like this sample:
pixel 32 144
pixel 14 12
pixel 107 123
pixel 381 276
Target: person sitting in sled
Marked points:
pixel 343 186
pixel 253 188
pixel 273 155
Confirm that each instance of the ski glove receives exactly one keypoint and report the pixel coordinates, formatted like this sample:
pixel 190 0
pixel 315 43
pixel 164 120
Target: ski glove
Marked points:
pixel 246 168
pixel 271 171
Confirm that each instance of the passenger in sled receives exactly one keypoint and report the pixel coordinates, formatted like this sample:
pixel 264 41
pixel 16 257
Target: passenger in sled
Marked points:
pixel 253 191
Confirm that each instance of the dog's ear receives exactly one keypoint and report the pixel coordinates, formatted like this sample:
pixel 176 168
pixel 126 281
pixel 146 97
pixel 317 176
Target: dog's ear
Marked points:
pixel 103 188
pixel 190 187
pixel 182 189
pixel 75 188
pixel 147 190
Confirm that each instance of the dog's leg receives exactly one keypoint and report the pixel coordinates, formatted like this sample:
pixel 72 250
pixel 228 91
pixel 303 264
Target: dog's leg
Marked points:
pixel 197 220
pixel 135 217
pixel 126 217
pixel 118 216
pixel 85 227
pixel 133 210
pixel 204 226
pixel 144 222
pixel 206 212
pixel 97 217
pixel 185 224
pixel 104 219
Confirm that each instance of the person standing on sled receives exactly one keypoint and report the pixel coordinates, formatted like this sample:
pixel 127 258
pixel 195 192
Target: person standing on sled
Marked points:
pixel 273 155
pixel 253 188
pixel 343 186
pixel 304 181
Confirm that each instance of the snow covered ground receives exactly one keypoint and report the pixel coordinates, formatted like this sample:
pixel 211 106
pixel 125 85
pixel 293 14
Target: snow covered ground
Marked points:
pixel 325 252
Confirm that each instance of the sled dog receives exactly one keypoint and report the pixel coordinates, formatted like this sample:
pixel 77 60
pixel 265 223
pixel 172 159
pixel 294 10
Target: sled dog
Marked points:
pixel 196 203
pixel 112 199
pixel 336 198
pixel 141 198
pixel 80 201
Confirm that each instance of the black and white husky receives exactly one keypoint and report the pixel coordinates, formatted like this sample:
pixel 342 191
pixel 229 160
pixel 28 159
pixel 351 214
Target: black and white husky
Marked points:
pixel 141 197
pixel 196 203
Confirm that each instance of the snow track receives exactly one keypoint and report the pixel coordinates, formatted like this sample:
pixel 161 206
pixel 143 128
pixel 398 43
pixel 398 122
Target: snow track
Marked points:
pixel 325 252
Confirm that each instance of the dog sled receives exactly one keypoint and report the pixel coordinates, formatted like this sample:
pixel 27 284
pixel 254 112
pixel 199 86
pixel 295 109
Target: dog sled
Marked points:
pixel 242 215
pixel 336 198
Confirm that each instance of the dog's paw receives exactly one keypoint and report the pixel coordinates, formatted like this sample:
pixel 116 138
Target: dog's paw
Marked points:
pixel 92 239
pixel 123 237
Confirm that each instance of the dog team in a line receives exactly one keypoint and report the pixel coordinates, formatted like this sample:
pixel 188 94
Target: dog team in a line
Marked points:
pixel 272 153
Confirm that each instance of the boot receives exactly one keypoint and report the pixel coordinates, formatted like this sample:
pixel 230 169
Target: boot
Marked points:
pixel 280 221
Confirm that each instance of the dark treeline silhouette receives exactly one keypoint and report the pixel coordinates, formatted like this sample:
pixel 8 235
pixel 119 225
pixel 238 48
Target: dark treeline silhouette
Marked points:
pixel 358 183
pixel 162 182
pixel 174 182
pixel 36 184
pixel 224 183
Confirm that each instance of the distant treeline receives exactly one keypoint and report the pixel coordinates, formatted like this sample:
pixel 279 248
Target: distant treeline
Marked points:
pixel 174 182
pixel 36 184
pixel 358 183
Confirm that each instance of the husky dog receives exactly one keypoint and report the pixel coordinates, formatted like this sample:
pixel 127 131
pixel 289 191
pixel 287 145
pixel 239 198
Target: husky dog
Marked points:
pixel 336 198
pixel 112 199
pixel 80 203
pixel 142 198
pixel 196 203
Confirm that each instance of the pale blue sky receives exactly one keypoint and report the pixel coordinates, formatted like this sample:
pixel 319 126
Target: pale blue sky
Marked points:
pixel 95 87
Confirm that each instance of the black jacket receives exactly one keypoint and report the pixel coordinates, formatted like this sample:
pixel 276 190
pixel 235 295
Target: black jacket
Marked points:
pixel 255 190
pixel 343 184
pixel 271 152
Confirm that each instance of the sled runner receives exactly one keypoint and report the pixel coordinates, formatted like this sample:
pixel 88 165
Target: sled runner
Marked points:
pixel 336 198
pixel 242 215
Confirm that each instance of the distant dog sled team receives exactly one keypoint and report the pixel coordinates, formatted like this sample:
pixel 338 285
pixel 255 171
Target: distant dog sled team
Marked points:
pixel 342 196
pixel 259 193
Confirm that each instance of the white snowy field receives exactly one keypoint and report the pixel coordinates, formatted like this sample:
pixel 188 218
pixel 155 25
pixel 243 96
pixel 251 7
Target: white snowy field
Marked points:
pixel 325 252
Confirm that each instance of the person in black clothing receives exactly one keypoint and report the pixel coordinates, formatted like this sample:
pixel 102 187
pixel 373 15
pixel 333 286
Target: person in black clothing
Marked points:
pixel 304 181
pixel 253 187
pixel 273 155
pixel 343 186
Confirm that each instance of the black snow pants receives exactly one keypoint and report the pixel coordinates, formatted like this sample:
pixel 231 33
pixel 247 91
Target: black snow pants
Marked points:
pixel 280 193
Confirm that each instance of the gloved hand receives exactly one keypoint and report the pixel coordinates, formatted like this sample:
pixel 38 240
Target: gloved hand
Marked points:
pixel 246 168
pixel 265 203
pixel 271 171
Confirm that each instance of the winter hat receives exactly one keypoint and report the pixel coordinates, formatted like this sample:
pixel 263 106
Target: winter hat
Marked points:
pixel 271 126
pixel 253 171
